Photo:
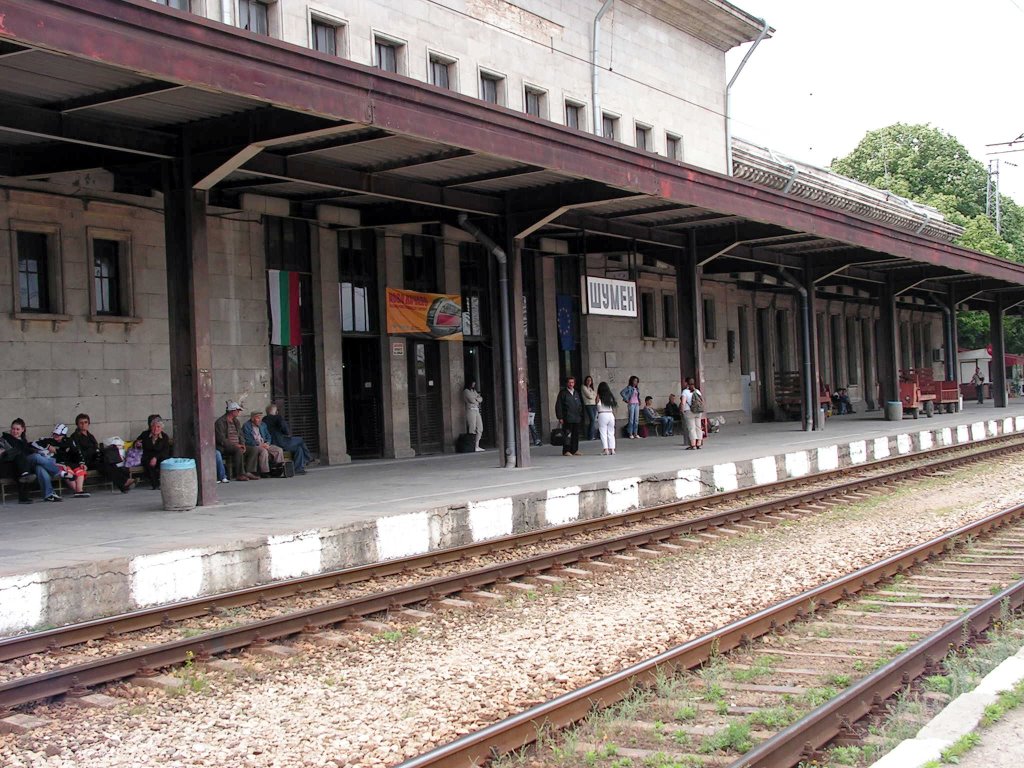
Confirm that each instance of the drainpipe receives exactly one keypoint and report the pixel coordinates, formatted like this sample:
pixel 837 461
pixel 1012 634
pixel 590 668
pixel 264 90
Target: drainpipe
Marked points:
pixel 810 388
pixel 595 48
pixel 728 99
pixel 506 336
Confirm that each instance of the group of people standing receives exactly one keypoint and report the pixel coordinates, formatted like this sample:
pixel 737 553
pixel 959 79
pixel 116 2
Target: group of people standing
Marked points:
pixel 599 405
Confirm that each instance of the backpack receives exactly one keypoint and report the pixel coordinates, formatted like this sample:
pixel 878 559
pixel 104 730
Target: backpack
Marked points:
pixel 697 402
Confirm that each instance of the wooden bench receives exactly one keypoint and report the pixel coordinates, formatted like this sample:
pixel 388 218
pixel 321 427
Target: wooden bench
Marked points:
pixel 788 390
pixel 656 425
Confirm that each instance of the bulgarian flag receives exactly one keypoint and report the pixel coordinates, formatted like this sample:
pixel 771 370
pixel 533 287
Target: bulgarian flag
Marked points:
pixel 284 308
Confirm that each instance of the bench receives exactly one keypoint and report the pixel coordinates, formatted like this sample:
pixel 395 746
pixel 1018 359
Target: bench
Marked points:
pixel 788 395
pixel 656 425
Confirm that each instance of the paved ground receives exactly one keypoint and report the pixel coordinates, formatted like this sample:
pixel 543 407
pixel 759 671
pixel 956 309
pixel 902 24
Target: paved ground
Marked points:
pixel 111 525
pixel 1002 745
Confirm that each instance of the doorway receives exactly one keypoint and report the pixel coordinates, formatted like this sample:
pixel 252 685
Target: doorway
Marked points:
pixel 360 371
pixel 426 425
pixel 476 361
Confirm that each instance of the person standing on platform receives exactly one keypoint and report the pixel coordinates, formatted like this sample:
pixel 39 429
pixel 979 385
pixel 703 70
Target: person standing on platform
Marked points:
pixel 606 418
pixel 978 380
pixel 693 412
pixel 474 421
pixel 589 395
pixel 281 434
pixel 228 433
pixel 156 446
pixel 569 412
pixel 630 395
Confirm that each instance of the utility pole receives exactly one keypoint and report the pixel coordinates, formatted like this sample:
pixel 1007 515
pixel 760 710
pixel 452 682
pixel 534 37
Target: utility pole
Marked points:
pixel 992 209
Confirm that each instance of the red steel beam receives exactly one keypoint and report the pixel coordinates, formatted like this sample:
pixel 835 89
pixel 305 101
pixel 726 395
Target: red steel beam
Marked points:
pixel 145 38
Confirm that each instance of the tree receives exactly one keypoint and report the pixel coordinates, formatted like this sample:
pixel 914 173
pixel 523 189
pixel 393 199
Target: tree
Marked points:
pixel 927 165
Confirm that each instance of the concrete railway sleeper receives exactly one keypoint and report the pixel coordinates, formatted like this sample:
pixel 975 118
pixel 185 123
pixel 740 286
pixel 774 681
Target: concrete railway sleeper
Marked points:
pixel 820 487
pixel 472 586
pixel 771 690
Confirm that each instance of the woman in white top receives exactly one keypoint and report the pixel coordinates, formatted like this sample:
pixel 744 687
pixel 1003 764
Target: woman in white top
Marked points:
pixel 692 420
pixel 606 418
pixel 590 406
pixel 474 423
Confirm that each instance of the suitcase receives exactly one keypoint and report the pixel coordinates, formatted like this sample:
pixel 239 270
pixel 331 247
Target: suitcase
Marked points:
pixel 557 436
pixel 465 443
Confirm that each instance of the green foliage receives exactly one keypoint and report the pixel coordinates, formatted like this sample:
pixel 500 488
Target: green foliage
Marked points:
pixel 960 747
pixel 735 737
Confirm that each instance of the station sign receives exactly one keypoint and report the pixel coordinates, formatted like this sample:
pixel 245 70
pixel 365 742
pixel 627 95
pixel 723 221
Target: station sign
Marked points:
pixel 610 297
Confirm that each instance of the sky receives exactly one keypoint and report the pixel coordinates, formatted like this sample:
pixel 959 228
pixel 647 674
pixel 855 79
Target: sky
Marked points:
pixel 835 70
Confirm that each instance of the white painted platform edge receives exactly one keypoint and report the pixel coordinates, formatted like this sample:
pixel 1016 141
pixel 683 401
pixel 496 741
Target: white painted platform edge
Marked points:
pixel 960 717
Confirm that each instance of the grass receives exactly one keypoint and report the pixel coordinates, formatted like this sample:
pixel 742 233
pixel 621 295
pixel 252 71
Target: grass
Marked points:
pixel 763 667
pixel 960 747
pixel 685 713
pixel 192 678
pixel 838 680
pixel 735 737
pixel 852 755
pixel 774 717
pixel 815 697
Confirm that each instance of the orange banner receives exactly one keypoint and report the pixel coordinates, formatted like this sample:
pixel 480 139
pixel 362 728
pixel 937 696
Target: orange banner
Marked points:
pixel 424 315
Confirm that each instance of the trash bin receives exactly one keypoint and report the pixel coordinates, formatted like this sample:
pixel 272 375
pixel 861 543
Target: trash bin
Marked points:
pixel 893 410
pixel 821 420
pixel 179 485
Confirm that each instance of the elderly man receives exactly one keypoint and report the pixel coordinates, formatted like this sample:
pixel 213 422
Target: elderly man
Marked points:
pixel 228 433
pixel 281 434
pixel 261 454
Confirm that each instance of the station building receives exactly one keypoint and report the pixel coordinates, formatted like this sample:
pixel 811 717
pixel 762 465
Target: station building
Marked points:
pixel 234 200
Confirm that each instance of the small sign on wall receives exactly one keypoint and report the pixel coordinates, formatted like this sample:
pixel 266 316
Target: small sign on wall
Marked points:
pixel 398 349
pixel 616 298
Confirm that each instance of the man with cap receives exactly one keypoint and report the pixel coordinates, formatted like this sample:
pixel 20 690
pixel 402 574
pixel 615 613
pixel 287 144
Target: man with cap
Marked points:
pixel 261 454
pixel 69 459
pixel 228 434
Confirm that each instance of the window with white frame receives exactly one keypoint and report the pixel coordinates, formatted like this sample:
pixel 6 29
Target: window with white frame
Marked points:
pixel 387 53
pixel 37 266
pixel 254 16
pixel 441 71
pixel 535 101
pixel 181 5
pixel 609 126
pixel 643 137
pixel 492 87
pixel 574 114
pixel 673 146
pixel 325 36
pixel 110 259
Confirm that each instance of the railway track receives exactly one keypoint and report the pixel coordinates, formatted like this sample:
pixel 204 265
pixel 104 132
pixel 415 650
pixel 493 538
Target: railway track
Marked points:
pixel 477 585
pixel 770 690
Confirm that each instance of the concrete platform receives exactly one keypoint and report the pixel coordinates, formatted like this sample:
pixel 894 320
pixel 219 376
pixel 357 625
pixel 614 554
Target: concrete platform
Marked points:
pixel 87 558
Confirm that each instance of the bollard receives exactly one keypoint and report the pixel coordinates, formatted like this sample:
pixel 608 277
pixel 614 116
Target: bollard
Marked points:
pixel 179 484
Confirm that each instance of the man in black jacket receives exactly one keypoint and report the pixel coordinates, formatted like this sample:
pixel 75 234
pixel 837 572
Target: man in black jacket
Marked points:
pixel 68 457
pixel 569 411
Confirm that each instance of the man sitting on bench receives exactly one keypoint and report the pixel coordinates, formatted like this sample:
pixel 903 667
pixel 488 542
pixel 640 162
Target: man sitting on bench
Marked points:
pixel 841 401
pixel 261 455
pixel 665 422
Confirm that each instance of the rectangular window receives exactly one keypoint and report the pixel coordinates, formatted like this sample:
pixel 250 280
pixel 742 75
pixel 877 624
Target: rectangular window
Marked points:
pixel 385 54
pixel 441 71
pixel 609 126
pixel 491 87
pixel 106 265
pixel 648 317
pixel 475 286
pixel 643 137
pixel 181 5
pixel 710 327
pixel 573 115
pixel 254 16
pixel 325 37
pixel 852 347
pixel 419 261
pixel 533 101
pixel 668 312
pixel 34 272
pixel 357 275
pixel 673 147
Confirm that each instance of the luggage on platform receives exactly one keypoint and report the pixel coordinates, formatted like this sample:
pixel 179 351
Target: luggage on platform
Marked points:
pixel 557 436
pixel 465 443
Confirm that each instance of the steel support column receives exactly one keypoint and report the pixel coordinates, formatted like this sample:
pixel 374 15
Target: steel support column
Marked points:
pixel 950 338
pixel 520 373
pixel 690 310
pixel 888 367
pixel 810 343
pixel 995 314
pixel 188 312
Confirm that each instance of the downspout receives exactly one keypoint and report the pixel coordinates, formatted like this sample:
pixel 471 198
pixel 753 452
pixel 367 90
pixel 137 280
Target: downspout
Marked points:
pixel 506 335
pixel 728 99
pixel 595 48
pixel 810 388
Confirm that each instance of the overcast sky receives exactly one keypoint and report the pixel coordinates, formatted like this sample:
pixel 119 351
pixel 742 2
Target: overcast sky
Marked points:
pixel 835 70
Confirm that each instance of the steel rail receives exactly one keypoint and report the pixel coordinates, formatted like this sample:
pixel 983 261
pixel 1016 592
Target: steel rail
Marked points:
pixel 85 675
pixel 61 637
pixel 521 729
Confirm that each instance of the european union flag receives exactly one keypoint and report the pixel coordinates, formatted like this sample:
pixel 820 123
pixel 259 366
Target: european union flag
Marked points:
pixel 566 322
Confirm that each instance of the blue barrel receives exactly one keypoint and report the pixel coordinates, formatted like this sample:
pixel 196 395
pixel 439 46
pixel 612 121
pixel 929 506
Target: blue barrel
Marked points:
pixel 179 484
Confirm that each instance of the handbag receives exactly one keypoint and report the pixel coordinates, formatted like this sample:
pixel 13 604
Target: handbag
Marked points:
pixel 557 436
pixel 134 456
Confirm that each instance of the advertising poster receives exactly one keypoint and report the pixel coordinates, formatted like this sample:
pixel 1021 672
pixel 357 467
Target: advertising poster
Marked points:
pixel 424 315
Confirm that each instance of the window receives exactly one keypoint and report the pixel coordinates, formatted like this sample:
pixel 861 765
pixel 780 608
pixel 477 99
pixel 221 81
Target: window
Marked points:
pixel 475 287
pixel 181 5
pixel 673 146
pixel 419 261
pixel 441 71
pixel 668 312
pixel 643 137
pixel 111 266
pixel 782 346
pixel 357 276
pixel 710 327
pixel 34 272
pixel 534 101
pixel 648 318
pixel 609 126
pixel 325 37
pixel 254 16
pixel 492 87
pixel 574 115
pixel 386 54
